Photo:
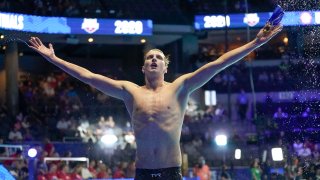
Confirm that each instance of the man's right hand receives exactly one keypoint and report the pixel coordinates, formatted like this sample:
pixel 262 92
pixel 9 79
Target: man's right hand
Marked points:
pixel 37 45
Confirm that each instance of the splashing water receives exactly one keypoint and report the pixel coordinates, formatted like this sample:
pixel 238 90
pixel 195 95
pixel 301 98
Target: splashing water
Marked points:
pixel 18 39
pixel 16 36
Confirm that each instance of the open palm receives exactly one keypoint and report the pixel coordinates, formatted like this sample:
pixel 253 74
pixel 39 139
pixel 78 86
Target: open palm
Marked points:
pixel 37 45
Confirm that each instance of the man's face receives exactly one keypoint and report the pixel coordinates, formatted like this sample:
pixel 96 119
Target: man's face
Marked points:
pixel 154 62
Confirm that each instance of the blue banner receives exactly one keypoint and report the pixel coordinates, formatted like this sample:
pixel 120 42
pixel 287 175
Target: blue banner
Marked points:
pixel 64 25
pixel 293 18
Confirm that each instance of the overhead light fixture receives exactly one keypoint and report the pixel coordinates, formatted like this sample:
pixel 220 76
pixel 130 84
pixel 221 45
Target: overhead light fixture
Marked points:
pixel 32 152
pixel 143 41
pixel 129 138
pixel 221 140
pixel 277 154
pixel 109 139
pixel 237 154
pixel 90 40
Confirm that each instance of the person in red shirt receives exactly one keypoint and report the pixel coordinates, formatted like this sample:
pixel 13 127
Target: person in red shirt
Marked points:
pixel 17 154
pixel 41 177
pixel 76 175
pixel 63 172
pixel 92 168
pixel 52 174
pixel 48 147
pixel 119 172
pixel 202 170
pixel 103 172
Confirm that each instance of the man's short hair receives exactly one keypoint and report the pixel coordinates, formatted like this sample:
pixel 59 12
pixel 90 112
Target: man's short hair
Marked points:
pixel 166 57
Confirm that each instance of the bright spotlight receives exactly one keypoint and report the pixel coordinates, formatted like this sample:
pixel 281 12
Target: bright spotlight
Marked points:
pixel 90 40
pixel 264 156
pixel 277 154
pixel 129 138
pixel 143 41
pixel 285 40
pixel 32 152
pixel 221 140
pixel 109 139
pixel 237 154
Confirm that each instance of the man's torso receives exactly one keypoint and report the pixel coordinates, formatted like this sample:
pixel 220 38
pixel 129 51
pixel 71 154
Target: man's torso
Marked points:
pixel 157 118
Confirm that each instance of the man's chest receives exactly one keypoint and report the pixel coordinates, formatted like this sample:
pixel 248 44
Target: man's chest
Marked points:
pixel 155 103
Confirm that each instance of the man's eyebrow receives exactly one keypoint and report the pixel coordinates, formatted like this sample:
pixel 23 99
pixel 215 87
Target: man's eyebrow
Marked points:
pixel 158 55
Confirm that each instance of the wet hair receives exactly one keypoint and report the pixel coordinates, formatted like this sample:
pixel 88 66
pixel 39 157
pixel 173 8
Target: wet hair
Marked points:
pixel 166 57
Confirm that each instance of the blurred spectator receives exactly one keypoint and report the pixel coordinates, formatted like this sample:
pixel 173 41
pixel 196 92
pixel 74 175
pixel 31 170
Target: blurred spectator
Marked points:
pixel 280 114
pixel 316 152
pixel 63 124
pixel 306 113
pixel 309 144
pixel 242 101
pixel 15 134
pixel 2 149
pixel 104 171
pixel 263 77
pixel 85 173
pixel 52 174
pixel 48 147
pixel 224 173
pixel 63 172
pixel 305 152
pixel 220 112
pixel 202 170
pixel 294 171
pixel 256 171
pixel 297 146
pixel 92 168
pixel 119 171
pixel 130 173
pixel 228 77
pixel 17 155
pixel 76 173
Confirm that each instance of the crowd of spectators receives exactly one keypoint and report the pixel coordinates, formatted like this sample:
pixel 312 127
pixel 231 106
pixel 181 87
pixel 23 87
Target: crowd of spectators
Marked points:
pixel 239 6
pixel 167 11
pixel 57 106
pixel 286 76
pixel 61 169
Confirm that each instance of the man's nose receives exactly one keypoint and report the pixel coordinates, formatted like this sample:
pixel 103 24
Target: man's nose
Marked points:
pixel 154 59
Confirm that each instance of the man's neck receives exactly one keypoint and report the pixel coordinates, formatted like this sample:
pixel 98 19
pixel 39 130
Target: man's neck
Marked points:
pixel 154 82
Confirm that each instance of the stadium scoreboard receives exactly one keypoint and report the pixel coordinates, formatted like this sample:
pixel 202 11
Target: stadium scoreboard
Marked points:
pixel 64 25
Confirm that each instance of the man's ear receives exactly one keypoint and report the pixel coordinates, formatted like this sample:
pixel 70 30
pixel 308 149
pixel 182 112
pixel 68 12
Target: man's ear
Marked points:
pixel 142 69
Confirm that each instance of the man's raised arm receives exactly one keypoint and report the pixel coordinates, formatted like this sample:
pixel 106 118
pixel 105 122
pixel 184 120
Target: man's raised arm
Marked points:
pixel 106 85
pixel 198 78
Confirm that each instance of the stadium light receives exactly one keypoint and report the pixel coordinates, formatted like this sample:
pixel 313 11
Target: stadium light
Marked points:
pixel 32 152
pixel 264 155
pixel 221 140
pixel 237 154
pixel 143 41
pixel 90 40
pixel 129 138
pixel 277 154
pixel 109 139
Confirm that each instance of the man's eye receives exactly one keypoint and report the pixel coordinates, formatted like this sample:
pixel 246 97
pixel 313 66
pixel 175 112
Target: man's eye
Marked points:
pixel 159 57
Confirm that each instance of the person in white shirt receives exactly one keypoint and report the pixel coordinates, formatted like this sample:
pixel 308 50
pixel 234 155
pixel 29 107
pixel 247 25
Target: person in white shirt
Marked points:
pixel 15 135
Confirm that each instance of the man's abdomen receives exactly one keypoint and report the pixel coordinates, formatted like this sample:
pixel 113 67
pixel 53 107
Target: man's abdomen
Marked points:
pixel 158 154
